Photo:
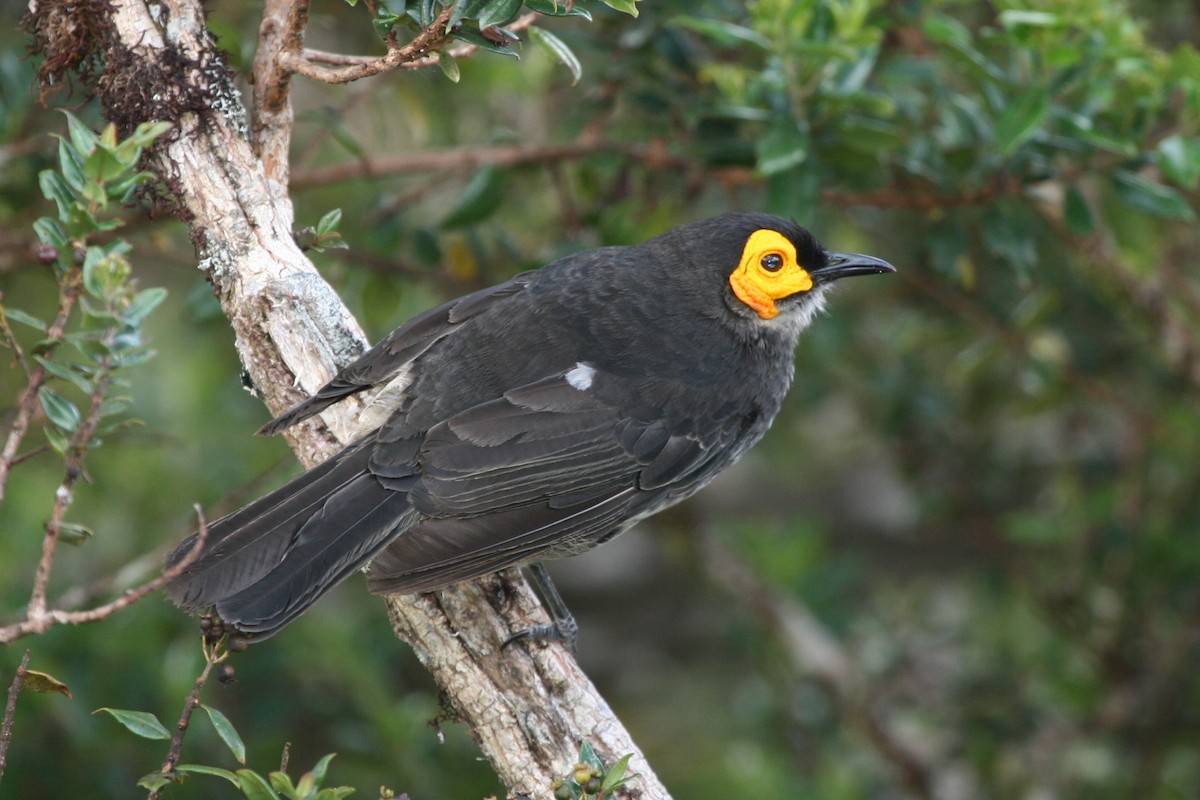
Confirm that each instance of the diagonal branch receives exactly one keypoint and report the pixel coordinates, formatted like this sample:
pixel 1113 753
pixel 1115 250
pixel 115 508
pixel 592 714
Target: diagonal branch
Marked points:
pixel 291 333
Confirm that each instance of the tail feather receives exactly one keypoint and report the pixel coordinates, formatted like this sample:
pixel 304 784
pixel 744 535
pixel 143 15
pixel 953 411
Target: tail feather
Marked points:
pixel 263 564
pixel 354 524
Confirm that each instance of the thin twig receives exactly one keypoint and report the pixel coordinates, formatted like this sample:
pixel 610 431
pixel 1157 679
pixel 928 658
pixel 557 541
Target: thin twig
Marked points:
pixel 214 654
pixel 467 158
pixel 460 50
pixel 11 339
pixel 427 41
pixel 10 709
pixel 27 408
pixel 32 625
pixel 65 492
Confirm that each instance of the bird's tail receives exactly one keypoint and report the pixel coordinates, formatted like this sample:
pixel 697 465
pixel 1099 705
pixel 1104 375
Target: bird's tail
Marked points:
pixel 263 565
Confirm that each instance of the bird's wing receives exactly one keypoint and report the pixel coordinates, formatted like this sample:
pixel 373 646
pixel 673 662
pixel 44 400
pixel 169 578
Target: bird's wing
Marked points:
pixel 545 470
pixel 400 347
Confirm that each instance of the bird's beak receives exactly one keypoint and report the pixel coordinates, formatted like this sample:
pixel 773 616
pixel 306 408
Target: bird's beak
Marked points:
pixel 843 265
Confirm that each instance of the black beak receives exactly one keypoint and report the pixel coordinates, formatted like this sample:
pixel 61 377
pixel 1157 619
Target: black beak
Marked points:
pixel 843 265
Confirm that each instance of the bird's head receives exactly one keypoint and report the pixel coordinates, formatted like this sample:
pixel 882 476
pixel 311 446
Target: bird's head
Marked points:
pixel 772 271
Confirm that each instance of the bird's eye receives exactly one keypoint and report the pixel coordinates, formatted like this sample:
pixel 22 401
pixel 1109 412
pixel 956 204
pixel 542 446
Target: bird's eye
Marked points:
pixel 772 262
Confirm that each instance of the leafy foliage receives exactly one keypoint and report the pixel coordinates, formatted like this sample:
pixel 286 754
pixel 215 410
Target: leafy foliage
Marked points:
pixel 982 489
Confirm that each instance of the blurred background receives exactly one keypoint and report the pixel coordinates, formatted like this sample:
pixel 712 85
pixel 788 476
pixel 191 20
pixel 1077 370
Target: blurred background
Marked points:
pixel 965 563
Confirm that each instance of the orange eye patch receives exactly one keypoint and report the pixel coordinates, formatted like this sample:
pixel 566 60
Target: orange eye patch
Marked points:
pixel 768 272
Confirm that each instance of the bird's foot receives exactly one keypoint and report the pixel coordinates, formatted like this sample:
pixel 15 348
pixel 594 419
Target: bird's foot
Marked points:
pixel 559 630
pixel 562 626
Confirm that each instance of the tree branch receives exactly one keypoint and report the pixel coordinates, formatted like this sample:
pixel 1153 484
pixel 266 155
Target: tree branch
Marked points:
pixel 40 623
pixel 291 333
pixel 465 159
pixel 10 709
pixel 425 43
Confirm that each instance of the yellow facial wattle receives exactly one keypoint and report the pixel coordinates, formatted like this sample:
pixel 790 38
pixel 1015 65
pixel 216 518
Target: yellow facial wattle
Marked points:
pixel 768 272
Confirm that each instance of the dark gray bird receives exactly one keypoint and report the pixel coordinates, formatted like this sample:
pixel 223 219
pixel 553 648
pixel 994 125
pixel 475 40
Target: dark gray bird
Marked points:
pixel 531 420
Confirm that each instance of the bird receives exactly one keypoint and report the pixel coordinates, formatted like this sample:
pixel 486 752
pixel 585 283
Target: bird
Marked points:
pixel 530 420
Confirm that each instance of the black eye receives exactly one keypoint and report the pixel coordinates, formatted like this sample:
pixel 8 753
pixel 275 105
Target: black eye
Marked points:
pixel 772 262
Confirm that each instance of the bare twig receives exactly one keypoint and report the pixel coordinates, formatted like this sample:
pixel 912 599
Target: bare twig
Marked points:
pixel 213 654
pixel 10 339
pixel 468 158
pixel 65 492
pixel 37 625
pixel 10 709
pixel 422 45
pixel 460 50
pixel 27 407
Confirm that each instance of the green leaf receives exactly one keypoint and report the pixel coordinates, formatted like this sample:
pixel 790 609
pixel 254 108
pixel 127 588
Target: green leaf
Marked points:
pixel 55 188
pixel 479 200
pixel 115 406
pixel 448 64
pixel 254 787
pixel 102 165
pixel 227 732
pixel 306 787
pixel 141 723
pixel 1179 160
pixel 146 133
pixel 201 769
pixel 616 775
pixel 484 43
pixel 83 139
pixel 946 30
pixel 560 51
pixel 554 8
pixel 66 373
pixel 50 231
pixel 587 755
pixel 61 411
pixel 465 9
pixel 1038 19
pixel 1077 212
pixel 498 12
pixel 782 147
pixel 57 439
pixel 1150 197
pixel 335 793
pixel 282 784
pixel 74 534
pixel 143 304
pixel 154 781
pixel 1021 119
pixel 16 315
pixel 624 6
pixel 70 164
pixel 329 222
pixel 725 34
pixel 94 193
pixel 384 21
pixel 322 767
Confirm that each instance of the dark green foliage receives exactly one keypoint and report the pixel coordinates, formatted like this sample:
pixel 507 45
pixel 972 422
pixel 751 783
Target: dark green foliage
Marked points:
pixel 982 489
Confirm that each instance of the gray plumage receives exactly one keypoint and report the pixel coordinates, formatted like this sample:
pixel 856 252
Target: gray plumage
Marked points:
pixel 526 421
